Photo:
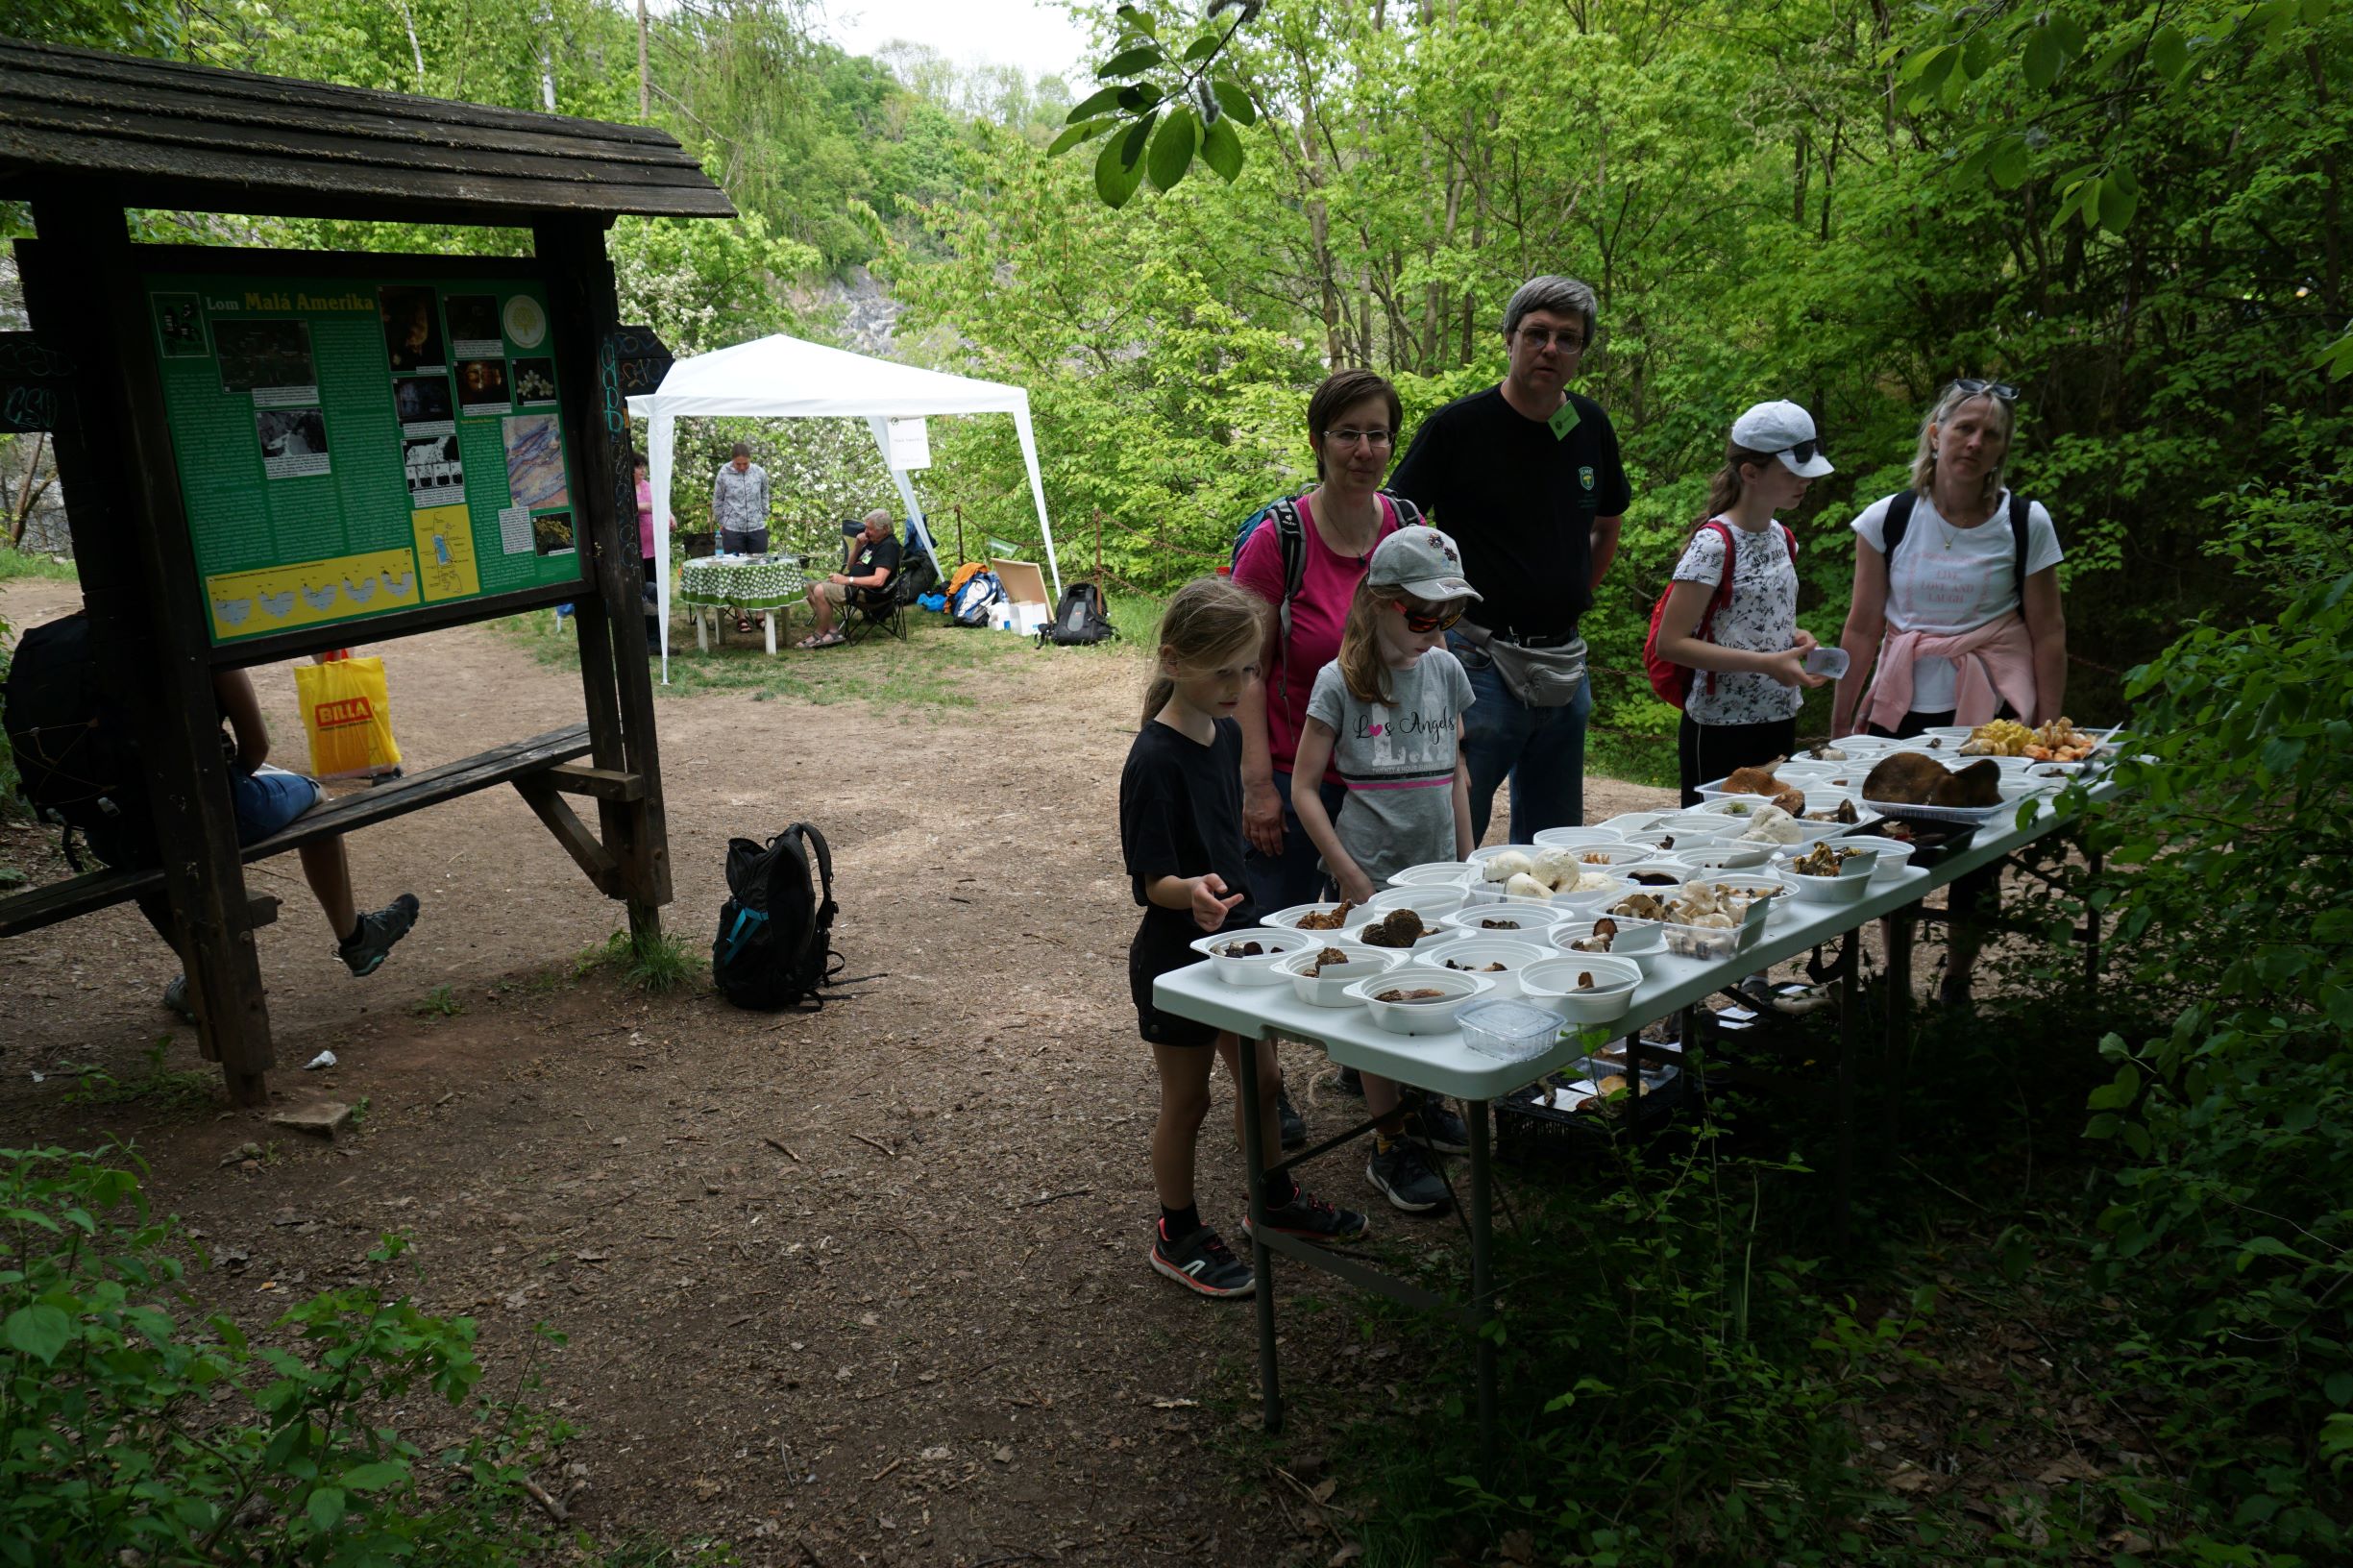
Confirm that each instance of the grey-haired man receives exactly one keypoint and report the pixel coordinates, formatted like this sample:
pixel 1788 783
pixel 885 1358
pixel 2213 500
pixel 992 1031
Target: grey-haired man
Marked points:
pixel 1527 479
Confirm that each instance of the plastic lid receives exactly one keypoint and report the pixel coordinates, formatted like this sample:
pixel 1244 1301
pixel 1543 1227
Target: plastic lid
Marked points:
pixel 1510 1019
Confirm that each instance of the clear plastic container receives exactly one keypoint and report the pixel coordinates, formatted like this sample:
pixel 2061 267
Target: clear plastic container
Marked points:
pixel 1508 1031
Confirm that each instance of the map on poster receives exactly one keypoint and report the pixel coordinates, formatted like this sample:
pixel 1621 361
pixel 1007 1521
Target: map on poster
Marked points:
pixel 352 447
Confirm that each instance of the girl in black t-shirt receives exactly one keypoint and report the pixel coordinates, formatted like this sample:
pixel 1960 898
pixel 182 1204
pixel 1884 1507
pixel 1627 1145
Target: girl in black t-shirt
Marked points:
pixel 1181 832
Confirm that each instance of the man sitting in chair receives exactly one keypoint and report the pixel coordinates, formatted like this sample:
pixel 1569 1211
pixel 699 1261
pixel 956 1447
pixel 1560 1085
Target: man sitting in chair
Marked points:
pixel 871 569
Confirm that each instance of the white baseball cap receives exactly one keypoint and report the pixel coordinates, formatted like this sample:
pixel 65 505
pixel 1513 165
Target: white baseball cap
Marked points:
pixel 1422 561
pixel 1787 431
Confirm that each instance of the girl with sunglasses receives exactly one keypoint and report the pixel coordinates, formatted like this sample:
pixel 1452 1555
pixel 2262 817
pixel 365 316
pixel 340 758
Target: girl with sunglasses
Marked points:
pixel 1387 714
pixel 1748 660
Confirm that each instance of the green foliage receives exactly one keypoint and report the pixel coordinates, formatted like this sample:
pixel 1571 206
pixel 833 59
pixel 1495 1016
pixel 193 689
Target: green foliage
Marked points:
pixel 656 965
pixel 2231 1221
pixel 138 1434
pixel 1677 1381
pixel 440 1002
pixel 1146 78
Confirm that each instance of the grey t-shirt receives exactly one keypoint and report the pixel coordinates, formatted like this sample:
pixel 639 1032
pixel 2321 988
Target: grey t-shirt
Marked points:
pixel 1397 760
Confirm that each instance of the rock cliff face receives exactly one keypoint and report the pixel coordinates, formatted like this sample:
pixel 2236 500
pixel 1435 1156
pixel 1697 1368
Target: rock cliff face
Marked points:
pixel 869 313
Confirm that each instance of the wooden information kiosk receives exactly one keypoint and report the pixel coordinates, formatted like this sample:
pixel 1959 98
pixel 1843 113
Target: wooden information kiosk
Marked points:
pixel 269 453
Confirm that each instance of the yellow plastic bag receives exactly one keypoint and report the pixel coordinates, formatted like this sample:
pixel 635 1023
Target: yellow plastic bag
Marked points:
pixel 347 712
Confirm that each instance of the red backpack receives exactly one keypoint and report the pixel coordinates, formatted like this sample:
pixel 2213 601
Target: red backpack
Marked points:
pixel 1673 681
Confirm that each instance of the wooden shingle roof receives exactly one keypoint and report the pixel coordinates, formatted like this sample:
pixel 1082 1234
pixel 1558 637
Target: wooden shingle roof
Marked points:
pixel 158 133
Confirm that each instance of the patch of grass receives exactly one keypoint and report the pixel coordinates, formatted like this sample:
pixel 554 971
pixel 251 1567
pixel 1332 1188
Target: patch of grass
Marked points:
pixel 657 966
pixel 1633 759
pixel 931 672
pixel 32 563
pixel 161 1088
pixel 440 1002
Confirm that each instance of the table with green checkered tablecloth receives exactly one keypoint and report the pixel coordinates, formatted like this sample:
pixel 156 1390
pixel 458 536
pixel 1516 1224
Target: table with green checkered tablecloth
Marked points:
pixel 745 584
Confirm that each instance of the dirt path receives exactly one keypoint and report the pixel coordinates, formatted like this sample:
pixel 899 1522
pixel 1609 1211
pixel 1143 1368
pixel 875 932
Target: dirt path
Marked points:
pixel 920 1331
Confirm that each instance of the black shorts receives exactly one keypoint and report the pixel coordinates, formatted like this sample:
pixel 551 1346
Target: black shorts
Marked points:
pixel 1155 951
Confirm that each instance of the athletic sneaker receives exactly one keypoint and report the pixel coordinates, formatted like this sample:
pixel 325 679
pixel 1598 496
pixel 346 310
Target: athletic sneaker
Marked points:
pixel 1295 1126
pixel 1314 1219
pixel 1402 1174
pixel 176 997
pixel 379 930
pixel 1431 1123
pixel 1350 1082
pixel 1201 1263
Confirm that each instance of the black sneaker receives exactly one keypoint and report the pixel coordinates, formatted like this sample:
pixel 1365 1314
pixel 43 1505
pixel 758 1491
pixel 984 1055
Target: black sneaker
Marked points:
pixel 1314 1219
pixel 1350 1082
pixel 1402 1174
pixel 1295 1126
pixel 1430 1123
pixel 1200 1263
pixel 379 930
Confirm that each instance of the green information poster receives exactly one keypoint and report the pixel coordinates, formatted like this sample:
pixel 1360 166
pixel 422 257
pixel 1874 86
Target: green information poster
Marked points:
pixel 349 448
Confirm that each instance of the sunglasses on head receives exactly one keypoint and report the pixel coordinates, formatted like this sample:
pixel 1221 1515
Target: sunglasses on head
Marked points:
pixel 2002 391
pixel 1421 617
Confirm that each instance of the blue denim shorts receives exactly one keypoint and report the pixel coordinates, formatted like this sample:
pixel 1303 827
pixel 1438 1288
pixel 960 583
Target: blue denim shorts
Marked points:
pixel 267 800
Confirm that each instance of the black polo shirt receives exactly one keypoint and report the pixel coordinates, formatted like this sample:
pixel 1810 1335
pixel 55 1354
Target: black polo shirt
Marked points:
pixel 1520 503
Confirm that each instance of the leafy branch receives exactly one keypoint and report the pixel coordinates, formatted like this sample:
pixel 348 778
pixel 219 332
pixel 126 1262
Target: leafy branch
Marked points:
pixel 1167 111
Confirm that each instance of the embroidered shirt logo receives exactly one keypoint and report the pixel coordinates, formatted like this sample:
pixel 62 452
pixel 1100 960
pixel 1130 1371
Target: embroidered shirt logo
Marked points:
pixel 1585 474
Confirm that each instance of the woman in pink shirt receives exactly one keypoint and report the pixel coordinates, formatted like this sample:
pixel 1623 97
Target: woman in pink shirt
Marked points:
pixel 644 513
pixel 1352 425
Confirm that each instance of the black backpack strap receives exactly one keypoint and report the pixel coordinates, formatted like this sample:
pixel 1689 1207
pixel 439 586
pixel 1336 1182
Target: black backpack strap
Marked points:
pixel 1898 520
pixel 1291 538
pixel 811 839
pixel 2020 510
pixel 1407 514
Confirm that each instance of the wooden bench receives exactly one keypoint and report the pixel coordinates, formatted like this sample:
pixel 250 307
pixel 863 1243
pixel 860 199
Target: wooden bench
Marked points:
pixel 541 768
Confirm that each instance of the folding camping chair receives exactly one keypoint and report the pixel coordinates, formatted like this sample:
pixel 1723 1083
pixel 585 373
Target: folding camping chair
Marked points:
pixel 885 608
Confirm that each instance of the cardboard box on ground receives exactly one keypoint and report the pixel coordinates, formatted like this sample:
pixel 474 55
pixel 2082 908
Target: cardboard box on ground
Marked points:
pixel 1026 607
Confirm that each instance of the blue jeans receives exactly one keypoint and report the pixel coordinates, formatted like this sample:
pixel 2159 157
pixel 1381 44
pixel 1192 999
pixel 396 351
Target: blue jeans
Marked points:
pixel 268 800
pixel 1296 875
pixel 1541 750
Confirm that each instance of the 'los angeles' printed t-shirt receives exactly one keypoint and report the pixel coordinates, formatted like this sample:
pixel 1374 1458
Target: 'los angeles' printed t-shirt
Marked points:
pixel 1397 760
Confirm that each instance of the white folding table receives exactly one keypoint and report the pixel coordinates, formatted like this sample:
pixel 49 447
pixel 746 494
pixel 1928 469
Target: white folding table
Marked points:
pixel 1441 1063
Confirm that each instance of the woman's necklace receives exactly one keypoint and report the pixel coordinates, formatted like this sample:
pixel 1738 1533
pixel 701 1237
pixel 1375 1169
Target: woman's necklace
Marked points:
pixel 1953 535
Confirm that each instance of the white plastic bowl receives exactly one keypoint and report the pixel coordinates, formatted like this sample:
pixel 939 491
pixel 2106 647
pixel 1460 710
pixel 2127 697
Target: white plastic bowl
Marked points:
pixel 1622 825
pixel 1637 942
pixel 1725 855
pixel 1534 919
pixel 1432 913
pixel 1851 887
pixel 1481 856
pixel 1950 734
pixel 1260 970
pixel 1430 903
pixel 1868 748
pixel 1614 852
pixel 1431 1017
pixel 1806 772
pixel 1895 858
pixel 1575 838
pixel 1330 988
pixel 1432 874
pixel 1587 903
pixel 1552 983
pixel 1701 823
pixel 1288 920
pixel 1473 955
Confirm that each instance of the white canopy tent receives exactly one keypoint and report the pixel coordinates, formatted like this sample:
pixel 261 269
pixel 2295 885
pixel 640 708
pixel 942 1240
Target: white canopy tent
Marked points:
pixel 783 378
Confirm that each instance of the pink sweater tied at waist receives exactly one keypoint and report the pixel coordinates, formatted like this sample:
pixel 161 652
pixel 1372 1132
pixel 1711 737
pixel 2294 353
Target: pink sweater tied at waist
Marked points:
pixel 1995 662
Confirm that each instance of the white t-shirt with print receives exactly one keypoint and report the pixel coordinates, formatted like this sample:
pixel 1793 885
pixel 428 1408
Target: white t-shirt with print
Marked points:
pixel 1762 618
pixel 1948 581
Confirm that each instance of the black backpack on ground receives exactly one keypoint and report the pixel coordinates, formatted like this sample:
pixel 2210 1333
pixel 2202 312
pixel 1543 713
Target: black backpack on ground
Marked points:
pixel 75 758
pixel 775 944
pixel 1080 621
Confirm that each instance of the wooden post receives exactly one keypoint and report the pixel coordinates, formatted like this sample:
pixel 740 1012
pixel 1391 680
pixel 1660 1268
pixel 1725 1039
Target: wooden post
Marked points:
pixel 619 687
pixel 146 605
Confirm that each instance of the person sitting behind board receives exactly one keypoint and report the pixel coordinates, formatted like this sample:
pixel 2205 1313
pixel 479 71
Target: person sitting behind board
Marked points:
pixel 876 560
